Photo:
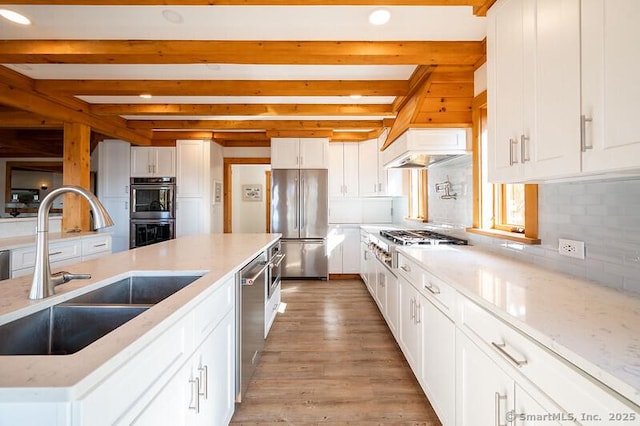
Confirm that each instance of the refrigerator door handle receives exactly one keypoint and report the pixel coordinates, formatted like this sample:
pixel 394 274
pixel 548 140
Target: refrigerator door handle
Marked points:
pixel 302 205
pixel 297 204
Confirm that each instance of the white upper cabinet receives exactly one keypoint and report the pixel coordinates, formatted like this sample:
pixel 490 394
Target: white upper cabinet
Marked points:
pixel 113 168
pixel 343 170
pixel 372 174
pixel 192 158
pixel 152 162
pixel 561 94
pixel 299 153
pixel 534 102
pixel 610 92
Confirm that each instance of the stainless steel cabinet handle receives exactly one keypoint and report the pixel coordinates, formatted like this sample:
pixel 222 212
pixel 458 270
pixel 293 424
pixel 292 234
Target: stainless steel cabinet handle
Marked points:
pixel 412 313
pixel 375 187
pixel 379 187
pixel 512 160
pixel 100 245
pixel 301 160
pixel 418 313
pixel 583 133
pixel 523 150
pixel 405 268
pixel 500 347
pixel 204 381
pixel 54 253
pixel 126 205
pixel 497 400
pixel 126 189
pixel 251 280
pixel 432 288
pixel 194 402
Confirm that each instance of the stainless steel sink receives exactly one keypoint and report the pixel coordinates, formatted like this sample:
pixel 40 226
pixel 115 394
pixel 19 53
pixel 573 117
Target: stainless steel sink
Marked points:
pixel 137 290
pixel 63 329
pixel 68 327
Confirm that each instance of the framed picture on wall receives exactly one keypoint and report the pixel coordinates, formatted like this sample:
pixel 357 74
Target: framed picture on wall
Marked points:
pixel 252 192
pixel 217 192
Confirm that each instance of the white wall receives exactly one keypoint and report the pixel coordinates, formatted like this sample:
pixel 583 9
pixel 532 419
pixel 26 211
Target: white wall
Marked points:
pixel 217 175
pixel 258 152
pixel 248 216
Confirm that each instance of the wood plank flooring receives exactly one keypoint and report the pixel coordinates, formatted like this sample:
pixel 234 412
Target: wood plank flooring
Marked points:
pixel 331 360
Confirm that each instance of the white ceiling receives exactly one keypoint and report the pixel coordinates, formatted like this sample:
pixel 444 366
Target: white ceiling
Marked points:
pixel 323 23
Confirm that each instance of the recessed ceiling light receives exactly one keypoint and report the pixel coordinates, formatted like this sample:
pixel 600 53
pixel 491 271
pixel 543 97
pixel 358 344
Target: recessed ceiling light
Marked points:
pixel 379 17
pixel 355 96
pixel 14 17
pixel 172 16
pixel 146 96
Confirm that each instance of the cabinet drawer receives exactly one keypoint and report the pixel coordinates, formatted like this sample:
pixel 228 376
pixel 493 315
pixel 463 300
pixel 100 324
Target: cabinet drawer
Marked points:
pixel 570 387
pixel 427 284
pixel 209 313
pixel 26 257
pixel 95 245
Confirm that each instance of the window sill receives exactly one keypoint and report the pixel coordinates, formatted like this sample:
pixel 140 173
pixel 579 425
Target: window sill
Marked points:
pixel 415 219
pixel 505 235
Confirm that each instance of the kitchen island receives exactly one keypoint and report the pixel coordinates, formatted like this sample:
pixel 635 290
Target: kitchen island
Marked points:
pixel 60 387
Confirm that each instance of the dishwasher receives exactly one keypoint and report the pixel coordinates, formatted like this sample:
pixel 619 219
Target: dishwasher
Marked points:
pixel 251 295
pixel 4 265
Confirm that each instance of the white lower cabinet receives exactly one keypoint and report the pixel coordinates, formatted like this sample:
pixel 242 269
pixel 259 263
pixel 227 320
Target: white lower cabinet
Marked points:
pixel 344 249
pixel 201 392
pixel 410 330
pixel 271 310
pixel 393 303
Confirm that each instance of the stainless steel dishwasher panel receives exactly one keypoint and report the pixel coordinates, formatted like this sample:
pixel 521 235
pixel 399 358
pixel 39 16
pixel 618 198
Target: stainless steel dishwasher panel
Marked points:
pixel 252 284
pixel 5 270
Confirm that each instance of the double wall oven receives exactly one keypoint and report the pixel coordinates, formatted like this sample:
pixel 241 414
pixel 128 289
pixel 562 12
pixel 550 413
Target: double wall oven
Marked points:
pixel 152 210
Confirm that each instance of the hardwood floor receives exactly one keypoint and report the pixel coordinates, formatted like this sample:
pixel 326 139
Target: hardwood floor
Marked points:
pixel 331 360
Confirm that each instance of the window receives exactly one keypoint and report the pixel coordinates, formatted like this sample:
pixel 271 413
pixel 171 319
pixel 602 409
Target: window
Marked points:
pixel 418 195
pixel 507 211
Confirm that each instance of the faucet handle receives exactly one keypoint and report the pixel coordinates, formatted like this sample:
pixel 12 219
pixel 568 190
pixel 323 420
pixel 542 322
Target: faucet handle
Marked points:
pixel 66 276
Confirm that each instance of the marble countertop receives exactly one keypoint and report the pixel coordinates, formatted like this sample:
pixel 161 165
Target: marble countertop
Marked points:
pixel 214 255
pixel 13 243
pixel 594 327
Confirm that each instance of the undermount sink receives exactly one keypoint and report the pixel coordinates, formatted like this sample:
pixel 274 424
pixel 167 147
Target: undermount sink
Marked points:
pixel 137 290
pixel 70 326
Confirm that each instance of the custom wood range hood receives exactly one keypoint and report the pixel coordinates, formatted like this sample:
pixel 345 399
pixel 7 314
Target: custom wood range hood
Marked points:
pixel 239 72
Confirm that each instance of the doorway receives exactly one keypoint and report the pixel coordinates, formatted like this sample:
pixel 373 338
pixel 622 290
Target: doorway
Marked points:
pixel 247 195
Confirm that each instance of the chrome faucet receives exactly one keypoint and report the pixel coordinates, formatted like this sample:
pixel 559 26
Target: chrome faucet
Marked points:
pixel 44 281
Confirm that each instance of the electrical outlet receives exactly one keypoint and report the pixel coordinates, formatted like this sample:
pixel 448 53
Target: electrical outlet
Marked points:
pixel 571 248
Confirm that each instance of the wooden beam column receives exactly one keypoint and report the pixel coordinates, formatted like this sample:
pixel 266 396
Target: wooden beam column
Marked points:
pixel 75 171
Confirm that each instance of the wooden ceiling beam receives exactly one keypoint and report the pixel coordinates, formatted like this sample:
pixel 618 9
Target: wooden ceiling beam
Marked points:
pixel 16 91
pixel 181 135
pixel 255 124
pixel 243 109
pixel 27 120
pixel 225 87
pixel 240 136
pixel 478 5
pixel 482 8
pixel 355 136
pixel 241 52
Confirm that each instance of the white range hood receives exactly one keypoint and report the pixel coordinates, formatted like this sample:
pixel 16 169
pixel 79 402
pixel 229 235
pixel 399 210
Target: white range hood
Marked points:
pixel 420 148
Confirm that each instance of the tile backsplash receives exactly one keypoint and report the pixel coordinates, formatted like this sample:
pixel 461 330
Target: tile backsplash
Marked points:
pixel 605 214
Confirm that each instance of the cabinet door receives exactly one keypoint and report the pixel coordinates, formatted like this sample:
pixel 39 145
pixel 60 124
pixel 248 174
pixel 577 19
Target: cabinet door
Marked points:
pixel 610 92
pixel 531 410
pixel 164 162
pixel 368 168
pixel 336 166
pixel 314 153
pixel 216 369
pixel 350 176
pixel 351 250
pixel 409 320
pixel 365 253
pixel 382 173
pixel 285 153
pixel 114 169
pixel 189 216
pixel 393 303
pixel 505 88
pixel 372 276
pixel 381 288
pixel 438 361
pixel 118 209
pixel 335 246
pixel 190 180
pixel 553 147
pixel 485 393
pixel 141 162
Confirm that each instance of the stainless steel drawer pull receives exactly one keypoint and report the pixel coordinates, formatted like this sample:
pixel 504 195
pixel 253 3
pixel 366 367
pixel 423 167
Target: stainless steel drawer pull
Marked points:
pixel 583 133
pixel 405 268
pixel 501 348
pixel 432 288
pixel 204 381
pixel 54 253
pixel 194 403
pixel 100 245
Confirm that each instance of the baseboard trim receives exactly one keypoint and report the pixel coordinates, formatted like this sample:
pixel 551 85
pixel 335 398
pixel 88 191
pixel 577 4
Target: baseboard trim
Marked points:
pixel 344 276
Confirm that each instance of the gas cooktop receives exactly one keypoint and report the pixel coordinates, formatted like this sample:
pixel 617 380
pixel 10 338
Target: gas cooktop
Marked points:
pixel 420 236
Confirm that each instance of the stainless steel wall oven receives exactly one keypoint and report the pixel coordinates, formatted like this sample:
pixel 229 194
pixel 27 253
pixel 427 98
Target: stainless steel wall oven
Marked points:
pixel 152 210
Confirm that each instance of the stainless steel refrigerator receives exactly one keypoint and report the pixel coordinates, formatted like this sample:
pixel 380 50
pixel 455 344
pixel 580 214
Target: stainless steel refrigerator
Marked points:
pixel 300 212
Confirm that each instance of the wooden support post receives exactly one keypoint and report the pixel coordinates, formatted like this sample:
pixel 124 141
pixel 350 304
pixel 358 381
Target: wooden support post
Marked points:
pixel 75 171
